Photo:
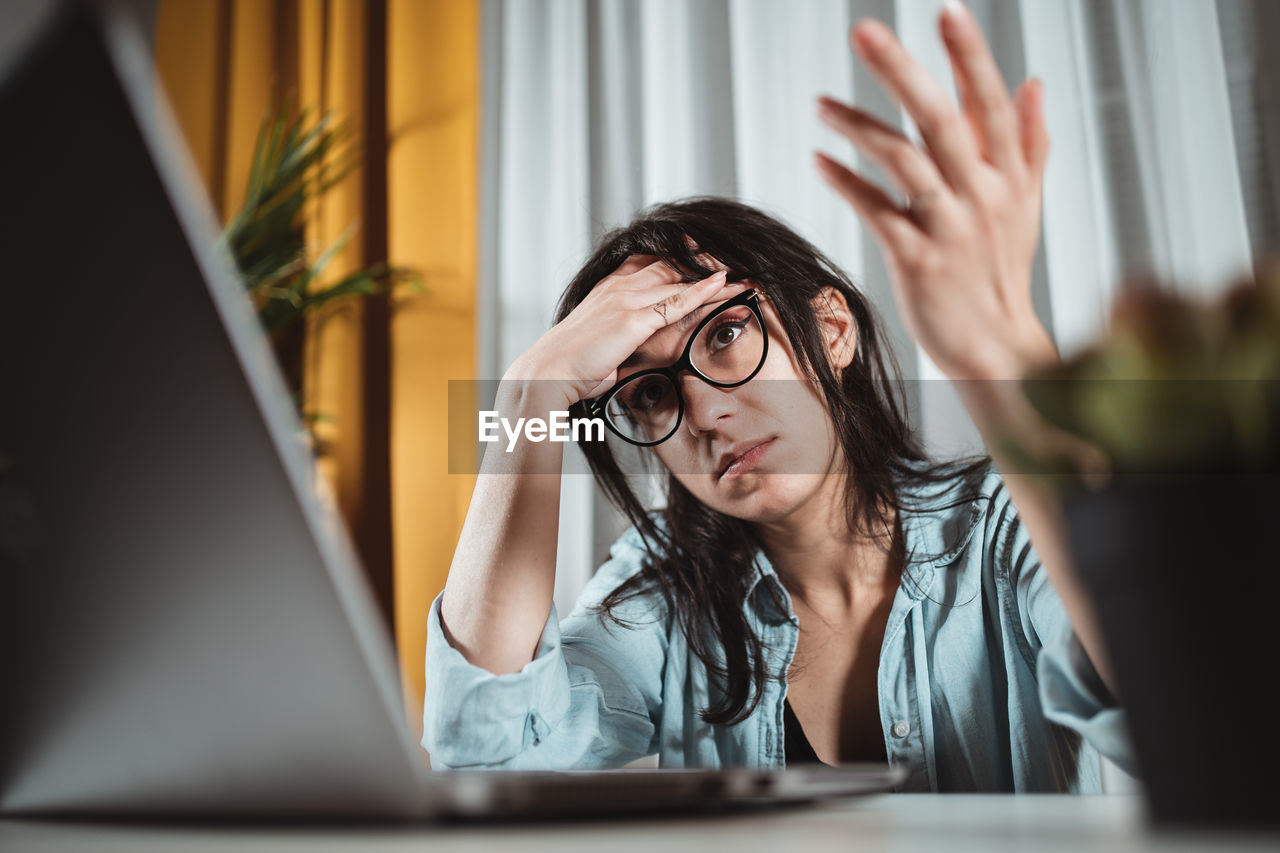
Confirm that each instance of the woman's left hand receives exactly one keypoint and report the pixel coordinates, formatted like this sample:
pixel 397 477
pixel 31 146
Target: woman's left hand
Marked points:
pixel 960 251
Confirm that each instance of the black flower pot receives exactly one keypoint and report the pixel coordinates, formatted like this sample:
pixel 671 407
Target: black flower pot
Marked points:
pixel 1184 573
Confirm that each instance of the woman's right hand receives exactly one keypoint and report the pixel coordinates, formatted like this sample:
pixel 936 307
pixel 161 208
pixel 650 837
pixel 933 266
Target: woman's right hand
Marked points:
pixel 581 353
pixel 502 579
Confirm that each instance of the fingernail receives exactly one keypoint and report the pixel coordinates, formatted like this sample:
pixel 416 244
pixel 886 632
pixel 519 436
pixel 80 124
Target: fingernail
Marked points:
pixel 954 9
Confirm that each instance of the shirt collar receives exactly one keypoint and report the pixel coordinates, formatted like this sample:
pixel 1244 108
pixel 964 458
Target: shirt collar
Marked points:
pixel 938 520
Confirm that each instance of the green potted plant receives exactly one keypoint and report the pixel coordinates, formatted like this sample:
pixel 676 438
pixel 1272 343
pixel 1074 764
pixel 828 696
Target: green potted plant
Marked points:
pixel 1169 522
pixel 296 160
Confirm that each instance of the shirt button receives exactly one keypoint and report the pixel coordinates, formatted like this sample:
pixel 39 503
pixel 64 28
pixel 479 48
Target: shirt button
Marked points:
pixel 901 728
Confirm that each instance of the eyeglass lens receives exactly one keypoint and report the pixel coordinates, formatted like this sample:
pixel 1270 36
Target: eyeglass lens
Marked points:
pixel 726 351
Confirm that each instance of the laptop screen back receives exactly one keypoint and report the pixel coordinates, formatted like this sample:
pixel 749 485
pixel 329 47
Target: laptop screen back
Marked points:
pixel 186 628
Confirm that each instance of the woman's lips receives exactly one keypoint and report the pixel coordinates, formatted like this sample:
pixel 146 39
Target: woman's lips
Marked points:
pixel 746 461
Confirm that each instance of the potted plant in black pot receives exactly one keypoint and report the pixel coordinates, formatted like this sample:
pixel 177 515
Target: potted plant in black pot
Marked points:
pixel 1176 540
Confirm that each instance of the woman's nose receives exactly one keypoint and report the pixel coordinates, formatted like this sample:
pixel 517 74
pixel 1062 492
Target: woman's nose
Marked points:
pixel 705 405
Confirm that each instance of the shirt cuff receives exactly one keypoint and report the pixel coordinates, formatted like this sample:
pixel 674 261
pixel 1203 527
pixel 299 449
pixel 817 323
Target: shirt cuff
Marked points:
pixel 473 718
pixel 1074 695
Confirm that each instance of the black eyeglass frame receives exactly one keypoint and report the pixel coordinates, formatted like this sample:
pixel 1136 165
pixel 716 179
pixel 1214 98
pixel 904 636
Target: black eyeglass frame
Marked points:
pixel 751 298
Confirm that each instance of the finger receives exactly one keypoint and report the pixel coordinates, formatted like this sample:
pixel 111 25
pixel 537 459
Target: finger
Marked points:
pixel 930 107
pixel 657 272
pixel 634 263
pixel 1034 136
pixel 895 232
pixel 710 262
pixel 650 295
pixel 704 259
pixel 902 160
pixel 982 91
pixel 673 306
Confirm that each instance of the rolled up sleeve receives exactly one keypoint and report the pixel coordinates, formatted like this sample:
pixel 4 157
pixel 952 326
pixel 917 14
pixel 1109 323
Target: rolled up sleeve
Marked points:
pixel 586 700
pixel 473 717
pixel 1072 693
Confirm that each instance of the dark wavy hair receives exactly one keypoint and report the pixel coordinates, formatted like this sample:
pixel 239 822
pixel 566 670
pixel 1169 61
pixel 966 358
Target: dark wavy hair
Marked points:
pixel 695 557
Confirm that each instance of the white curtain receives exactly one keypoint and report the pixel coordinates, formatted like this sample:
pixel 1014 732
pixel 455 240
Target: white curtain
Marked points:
pixel 1162 115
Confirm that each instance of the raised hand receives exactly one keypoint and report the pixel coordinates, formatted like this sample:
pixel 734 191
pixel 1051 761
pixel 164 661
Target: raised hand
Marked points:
pixel 960 252
pixel 960 249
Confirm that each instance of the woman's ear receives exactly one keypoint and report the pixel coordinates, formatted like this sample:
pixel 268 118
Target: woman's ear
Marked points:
pixel 835 323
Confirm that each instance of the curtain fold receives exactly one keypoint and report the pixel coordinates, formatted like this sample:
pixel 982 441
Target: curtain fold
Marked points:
pixel 433 122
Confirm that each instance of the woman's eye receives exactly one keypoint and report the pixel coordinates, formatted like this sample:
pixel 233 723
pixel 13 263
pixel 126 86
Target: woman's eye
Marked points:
pixel 727 334
pixel 647 395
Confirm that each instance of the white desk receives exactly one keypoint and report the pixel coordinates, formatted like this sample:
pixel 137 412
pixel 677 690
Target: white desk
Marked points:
pixel 902 822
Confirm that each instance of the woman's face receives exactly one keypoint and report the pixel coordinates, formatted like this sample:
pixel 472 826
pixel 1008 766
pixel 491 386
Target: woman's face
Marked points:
pixel 760 451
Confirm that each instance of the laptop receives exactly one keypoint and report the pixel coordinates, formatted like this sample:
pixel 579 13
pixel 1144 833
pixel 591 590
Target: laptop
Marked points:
pixel 187 631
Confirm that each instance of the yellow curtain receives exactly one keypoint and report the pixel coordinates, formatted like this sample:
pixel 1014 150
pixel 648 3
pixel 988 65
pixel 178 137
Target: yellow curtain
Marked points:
pixel 433 174
pixel 415 64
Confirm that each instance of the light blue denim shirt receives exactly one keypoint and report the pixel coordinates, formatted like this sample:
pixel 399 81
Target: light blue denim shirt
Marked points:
pixel 982 683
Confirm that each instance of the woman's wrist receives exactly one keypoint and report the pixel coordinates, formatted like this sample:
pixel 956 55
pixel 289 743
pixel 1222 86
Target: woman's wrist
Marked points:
pixel 530 384
pixel 1025 349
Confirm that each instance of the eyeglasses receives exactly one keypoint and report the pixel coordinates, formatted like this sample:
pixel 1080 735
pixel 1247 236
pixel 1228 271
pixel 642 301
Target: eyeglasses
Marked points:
pixel 726 350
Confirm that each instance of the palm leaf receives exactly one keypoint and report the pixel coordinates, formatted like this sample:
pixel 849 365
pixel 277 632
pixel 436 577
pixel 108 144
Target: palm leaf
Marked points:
pixel 297 158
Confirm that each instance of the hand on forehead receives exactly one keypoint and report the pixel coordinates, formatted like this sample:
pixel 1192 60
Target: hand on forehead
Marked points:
pixel 635 263
pixel 638 262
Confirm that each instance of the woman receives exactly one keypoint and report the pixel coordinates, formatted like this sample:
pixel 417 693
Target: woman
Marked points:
pixel 814 589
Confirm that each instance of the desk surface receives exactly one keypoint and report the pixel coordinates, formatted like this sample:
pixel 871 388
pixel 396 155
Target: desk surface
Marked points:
pixel 898 822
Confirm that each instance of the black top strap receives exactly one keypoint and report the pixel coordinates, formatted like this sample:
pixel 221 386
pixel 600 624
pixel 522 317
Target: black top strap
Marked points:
pixel 796 746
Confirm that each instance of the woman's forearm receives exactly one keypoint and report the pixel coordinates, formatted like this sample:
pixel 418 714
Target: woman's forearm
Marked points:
pixel 1000 410
pixel 501 581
